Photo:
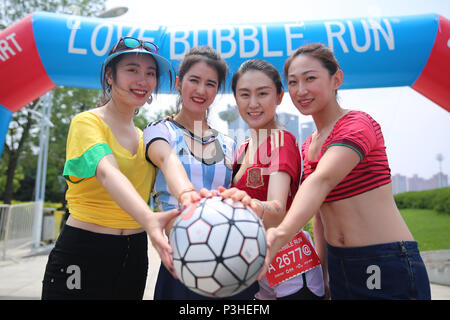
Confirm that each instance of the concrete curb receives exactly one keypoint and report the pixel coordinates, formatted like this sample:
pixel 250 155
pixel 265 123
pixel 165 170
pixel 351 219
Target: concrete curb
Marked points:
pixel 438 266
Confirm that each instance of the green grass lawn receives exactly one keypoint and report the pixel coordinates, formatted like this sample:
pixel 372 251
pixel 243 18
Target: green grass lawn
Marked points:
pixel 429 228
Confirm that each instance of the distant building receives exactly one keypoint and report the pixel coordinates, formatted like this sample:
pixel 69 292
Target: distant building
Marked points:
pixel 439 180
pixel 399 183
pixel 415 183
pixel 306 128
pixel 289 122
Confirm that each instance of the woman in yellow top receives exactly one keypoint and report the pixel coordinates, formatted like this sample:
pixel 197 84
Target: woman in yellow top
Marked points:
pixel 101 252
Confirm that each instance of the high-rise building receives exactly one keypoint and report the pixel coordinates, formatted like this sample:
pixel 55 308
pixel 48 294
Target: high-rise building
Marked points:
pixel 415 183
pixel 439 180
pixel 289 122
pixel 399 183
pixel 306 128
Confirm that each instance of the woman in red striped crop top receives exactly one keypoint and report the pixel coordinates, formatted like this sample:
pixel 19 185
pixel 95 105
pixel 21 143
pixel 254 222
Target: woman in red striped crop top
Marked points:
pixel 359 233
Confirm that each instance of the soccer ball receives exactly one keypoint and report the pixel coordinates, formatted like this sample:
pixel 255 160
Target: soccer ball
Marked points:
pixel 219 247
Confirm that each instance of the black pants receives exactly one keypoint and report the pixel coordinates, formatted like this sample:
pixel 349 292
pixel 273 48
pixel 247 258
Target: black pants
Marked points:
pixel 87 265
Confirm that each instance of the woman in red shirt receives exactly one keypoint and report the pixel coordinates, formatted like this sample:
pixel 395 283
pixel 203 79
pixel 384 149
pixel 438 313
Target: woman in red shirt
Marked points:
pixel 346 187
pixel 267 167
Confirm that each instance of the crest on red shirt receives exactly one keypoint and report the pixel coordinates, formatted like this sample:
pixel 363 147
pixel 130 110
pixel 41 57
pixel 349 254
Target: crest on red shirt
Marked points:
pixel 255 178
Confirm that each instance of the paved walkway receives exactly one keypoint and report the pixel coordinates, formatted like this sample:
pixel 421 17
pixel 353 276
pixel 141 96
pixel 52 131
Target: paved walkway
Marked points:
pixel 22 279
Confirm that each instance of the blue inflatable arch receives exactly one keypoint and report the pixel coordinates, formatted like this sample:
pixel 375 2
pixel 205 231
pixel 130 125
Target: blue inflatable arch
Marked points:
pixel 45 50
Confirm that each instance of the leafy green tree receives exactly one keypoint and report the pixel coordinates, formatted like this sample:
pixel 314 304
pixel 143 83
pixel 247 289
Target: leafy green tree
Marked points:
pixel 162 114
pixel 22 140
pixel 19 175
pixel 229 115
pixel 141 120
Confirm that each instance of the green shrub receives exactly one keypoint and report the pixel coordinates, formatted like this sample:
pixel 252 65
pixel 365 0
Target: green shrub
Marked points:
pixel 441 202
pixel 436 199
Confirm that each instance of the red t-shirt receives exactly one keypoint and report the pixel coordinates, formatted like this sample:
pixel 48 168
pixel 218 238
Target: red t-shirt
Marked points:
pixel 280 152
pixel 360 132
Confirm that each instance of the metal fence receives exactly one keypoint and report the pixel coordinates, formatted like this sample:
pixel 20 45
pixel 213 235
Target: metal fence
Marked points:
pixel 16 227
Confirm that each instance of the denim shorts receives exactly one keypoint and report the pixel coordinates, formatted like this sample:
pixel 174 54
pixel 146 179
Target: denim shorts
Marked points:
pixel 86 265
pixel 392 270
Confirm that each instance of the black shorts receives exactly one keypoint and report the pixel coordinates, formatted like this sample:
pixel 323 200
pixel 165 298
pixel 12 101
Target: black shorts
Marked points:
pixel 87 265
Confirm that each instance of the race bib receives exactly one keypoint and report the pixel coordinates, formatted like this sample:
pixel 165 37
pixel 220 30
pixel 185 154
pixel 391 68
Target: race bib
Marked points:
pixel 293 259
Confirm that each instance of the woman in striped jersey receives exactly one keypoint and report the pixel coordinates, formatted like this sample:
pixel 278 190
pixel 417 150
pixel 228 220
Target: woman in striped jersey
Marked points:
pixel 346 187
pixel 188 153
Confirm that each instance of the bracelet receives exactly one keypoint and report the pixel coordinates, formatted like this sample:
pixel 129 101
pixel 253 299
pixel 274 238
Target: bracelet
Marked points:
pixel 183 192
pixel 263 207
pixel 264 211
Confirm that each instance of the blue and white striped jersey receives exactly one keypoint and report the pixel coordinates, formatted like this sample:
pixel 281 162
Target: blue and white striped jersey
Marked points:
pixel 203 173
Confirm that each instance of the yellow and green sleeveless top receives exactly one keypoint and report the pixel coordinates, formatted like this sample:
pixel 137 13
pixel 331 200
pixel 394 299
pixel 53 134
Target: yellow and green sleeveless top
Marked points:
pixel 88 141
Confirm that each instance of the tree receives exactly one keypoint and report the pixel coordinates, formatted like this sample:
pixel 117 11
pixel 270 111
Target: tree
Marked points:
pixel 15 144
pixel 162 114
pixel 23 129
pixel 229 115
pixel 13 10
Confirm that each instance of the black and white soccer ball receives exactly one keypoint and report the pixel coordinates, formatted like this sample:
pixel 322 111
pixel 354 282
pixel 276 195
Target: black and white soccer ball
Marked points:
pixel 219 247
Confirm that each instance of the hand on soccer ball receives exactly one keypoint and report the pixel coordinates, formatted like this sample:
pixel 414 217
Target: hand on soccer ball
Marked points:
pixel 155 229
pixel 239 195
pixel 236 195
pixel 275 238
pixel 189 197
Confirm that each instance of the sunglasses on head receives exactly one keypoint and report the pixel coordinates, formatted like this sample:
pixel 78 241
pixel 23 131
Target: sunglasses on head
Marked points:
pixel 133 43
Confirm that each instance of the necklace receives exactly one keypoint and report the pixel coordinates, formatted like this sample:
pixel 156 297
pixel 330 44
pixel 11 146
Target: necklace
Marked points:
pixel 202 140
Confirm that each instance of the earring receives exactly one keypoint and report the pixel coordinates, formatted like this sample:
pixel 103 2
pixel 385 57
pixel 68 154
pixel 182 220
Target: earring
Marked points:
pixel 150 99
pixel 108 91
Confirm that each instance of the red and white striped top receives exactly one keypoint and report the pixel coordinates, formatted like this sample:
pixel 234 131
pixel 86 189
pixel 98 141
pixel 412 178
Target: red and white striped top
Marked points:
pixel 360 132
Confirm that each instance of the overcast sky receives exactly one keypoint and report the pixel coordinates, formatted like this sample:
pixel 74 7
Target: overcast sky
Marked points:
pixel 415 128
